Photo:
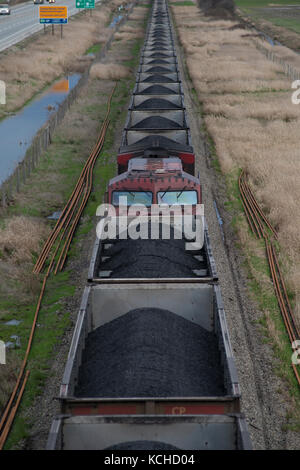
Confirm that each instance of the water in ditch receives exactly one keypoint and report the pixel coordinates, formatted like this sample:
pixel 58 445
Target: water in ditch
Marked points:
pixel 18 131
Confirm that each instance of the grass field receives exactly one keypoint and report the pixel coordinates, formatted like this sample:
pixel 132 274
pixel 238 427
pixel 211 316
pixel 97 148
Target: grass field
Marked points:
pixel 270 11
pixel 264 3
pixel 293 24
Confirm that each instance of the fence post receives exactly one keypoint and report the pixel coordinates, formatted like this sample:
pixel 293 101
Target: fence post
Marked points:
pixel 28 165
pixel 36 153
pixel 24 173
pixel 10 188
pixel 32 160
pixel 3 196
pixel 18 178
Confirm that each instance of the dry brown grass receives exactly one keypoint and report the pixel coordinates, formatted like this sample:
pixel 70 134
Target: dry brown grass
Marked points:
pixel 21 237
pixel 129 36
pixel 138 14
pixel 128 33
pixel 109 71
pixel 249 114
pixel 126 28
pixel 28 70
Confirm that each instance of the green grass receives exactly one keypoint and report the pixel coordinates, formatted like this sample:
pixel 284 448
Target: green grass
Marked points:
pixel 132 63
pixel 289 23
pixel 282 353
pixel 186 3
pixel 264 3
pixel 94 49
pixel 252 8
pixel 52 322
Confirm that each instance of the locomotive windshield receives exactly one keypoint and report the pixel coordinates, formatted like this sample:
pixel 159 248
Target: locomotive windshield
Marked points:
pixel 177 197
pixel 132 197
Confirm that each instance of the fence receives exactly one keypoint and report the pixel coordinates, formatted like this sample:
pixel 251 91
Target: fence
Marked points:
pixel 43 137
pixel 289 70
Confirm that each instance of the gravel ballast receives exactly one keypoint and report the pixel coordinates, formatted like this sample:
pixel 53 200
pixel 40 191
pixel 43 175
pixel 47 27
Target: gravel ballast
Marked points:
pixel 151 258
pixel 157 103
pixel 150 352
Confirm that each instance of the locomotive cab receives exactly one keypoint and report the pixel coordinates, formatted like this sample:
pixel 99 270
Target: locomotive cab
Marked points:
pixel 151 181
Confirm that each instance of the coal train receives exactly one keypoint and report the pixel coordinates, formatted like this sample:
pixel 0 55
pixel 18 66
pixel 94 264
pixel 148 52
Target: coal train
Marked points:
pixel 150 364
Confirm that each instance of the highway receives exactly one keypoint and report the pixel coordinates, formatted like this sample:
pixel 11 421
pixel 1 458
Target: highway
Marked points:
pixel 24 21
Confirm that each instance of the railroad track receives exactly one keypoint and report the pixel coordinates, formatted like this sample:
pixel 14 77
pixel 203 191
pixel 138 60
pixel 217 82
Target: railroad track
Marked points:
pixel 263 229
pixel 55 252
pixel 150 365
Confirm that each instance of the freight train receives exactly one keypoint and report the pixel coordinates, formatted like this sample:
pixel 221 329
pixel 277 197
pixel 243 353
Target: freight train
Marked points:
pixel 150 364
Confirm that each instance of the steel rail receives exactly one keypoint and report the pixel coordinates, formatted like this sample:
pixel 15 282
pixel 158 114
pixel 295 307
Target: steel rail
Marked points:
pixel 256 219
pixel 258 208
pixel 278 292
pixel 62 220
pixel 289 308
pixel 65 212
pixel 13 412
pixel 250 216
pixel 64 252
pixel 75 196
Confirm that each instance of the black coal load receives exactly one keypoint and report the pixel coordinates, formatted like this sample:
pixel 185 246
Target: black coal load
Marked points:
pixel 158 78
pixel 158 90
pixel 142 445
pixel 157 103
pixel 151 258
pixel 150 352
pixel 157 122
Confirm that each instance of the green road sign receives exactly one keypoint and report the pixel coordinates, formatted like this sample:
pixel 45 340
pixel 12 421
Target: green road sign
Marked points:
pixel 85 3
pixel 90 4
